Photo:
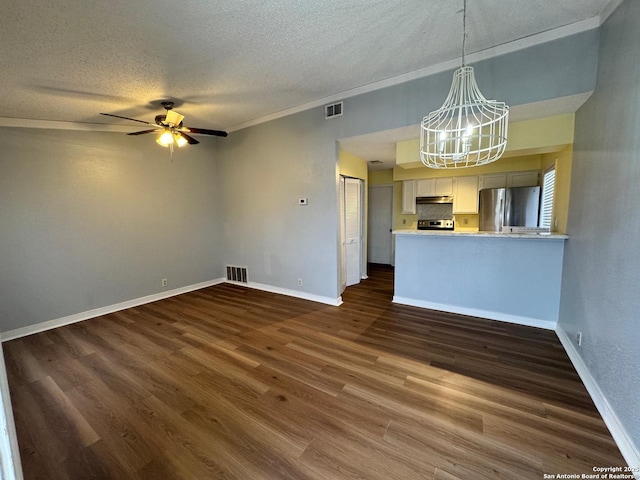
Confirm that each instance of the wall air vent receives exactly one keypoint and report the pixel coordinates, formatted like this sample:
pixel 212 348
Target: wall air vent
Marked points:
pixel 333 110
pixel 237 274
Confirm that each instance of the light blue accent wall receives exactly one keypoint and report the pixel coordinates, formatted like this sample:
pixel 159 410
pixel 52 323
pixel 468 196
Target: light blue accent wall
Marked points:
pixel 91 219
pixel 601 282
pixel 509 277
pixel 560 68
pixel 265 168
pixel 264 171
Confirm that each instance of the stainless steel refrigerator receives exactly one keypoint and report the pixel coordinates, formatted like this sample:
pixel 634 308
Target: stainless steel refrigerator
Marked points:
pixel 501 208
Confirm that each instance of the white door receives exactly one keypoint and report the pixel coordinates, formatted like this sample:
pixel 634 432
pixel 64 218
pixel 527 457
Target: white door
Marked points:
pixel 380 224
pixel 353 229
pixel 343 240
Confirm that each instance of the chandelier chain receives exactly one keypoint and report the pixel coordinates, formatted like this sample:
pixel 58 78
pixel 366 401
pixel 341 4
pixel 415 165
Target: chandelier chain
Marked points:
pixel 464 28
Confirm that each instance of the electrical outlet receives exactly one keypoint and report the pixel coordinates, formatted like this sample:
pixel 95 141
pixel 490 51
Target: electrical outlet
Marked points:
pixel 579 339
pixel 299 282
pixel 165 282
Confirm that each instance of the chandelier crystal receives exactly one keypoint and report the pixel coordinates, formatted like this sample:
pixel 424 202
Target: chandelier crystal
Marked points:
pixel 467 130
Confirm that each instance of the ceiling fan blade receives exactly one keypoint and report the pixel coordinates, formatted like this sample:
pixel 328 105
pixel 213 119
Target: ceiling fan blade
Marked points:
pixel 173 118
pixel 204 131
pixel 143 132
pixel 191 140
pixel 126 118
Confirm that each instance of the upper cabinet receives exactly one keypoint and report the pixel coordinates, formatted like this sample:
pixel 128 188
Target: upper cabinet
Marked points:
pixel 465 194
pixel 523 179
pixel 494 180
pixel 444 186
pixel 409 196
pixel 464 189
pixel 434 187
pixel 512 179
pixel 425 188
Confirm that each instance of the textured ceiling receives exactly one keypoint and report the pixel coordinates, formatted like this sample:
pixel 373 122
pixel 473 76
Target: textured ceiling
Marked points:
pixel 227 63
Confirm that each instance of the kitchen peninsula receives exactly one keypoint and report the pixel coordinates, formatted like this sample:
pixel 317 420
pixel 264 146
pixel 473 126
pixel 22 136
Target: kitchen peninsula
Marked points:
pixel 501 276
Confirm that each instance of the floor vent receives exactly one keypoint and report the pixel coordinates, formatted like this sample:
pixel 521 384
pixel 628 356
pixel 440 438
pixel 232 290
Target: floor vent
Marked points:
pixel 333 110
pixel 237 274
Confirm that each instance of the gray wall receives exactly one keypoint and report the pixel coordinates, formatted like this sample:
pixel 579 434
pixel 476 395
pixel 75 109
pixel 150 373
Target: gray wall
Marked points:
pixel 92 219
pixel 264 169
pixel 555 69
pixel 601 282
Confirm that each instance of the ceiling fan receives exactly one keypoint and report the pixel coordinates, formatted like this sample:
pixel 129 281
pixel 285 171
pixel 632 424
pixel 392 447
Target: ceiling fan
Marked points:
pixel 171 129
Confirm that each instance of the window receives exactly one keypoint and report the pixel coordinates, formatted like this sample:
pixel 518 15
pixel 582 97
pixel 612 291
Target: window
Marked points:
pixel 546 200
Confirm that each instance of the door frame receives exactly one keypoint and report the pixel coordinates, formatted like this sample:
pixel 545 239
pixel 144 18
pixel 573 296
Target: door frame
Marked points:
pixel 392 253
pixel 362 230
pixel 10 465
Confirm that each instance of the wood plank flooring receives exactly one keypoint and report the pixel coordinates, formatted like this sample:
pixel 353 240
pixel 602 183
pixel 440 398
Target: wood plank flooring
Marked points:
pixel 232 383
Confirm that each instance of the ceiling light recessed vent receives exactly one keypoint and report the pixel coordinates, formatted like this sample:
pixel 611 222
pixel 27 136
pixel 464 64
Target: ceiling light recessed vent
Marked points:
pixel 333 110
pixel 375 162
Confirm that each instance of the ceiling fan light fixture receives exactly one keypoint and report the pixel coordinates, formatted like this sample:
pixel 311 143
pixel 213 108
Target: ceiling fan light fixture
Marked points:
pixel 165 139
pixel 180 140
pixel 170 129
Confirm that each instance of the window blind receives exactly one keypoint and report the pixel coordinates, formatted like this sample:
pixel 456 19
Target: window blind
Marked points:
pixel 546 202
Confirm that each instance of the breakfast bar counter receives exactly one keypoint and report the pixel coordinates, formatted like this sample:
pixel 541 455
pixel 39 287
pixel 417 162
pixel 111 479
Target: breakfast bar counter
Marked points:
pixel 513 277
pixel 457 233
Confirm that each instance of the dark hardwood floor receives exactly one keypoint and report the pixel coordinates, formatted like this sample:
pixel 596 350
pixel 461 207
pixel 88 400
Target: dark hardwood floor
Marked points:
pixel 232 383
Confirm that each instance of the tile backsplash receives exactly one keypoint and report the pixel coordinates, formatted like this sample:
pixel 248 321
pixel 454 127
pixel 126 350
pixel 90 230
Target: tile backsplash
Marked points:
pixel 435 211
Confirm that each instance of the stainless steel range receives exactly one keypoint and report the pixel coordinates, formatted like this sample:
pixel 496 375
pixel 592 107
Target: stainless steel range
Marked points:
pixel 435 213
pixel 435 224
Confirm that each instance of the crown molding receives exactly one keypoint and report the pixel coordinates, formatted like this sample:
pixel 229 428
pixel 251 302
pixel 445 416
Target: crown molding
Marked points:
pixel 608 10
pixel 56 125
pixel 520 44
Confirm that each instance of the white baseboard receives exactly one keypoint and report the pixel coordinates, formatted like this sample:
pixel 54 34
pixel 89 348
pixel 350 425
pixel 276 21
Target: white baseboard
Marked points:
pixel 491 315
pixel 628 449
pixel 336 302
pixel 79 317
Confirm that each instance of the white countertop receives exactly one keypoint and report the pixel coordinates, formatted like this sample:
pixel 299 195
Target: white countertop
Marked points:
pixel 454 233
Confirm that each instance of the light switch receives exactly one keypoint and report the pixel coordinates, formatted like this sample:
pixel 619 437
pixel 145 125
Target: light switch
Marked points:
pixel 303 201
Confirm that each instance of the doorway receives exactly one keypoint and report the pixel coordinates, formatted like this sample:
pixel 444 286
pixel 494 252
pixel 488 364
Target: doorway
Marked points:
pixel 352 230
pixel 380 224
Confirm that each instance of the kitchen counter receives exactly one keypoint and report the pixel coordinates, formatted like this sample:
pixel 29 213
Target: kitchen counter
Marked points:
pixel 512 277
pixel 458 233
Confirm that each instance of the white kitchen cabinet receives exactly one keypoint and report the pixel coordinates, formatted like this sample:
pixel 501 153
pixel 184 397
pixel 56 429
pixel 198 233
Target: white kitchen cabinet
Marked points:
pixel 522 179
pixel 425 187
pixel 465 194
pixel 409 196
pixel 434 187
pixel 443 186
pixel 494 180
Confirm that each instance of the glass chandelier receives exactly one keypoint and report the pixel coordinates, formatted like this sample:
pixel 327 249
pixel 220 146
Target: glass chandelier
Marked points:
pixel 467 130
